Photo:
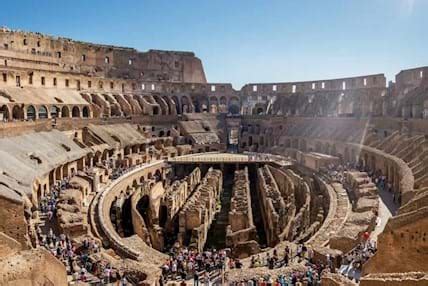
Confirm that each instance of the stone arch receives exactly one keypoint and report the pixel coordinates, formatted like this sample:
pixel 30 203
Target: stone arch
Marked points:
pixel 126 216
pixel 185 105
pixel 54 111
pixel 196 104
pixel 17 113
pixel 31 112
pixel 75 112
pixel 143 207
pixel 85 112
pixel 97 157
pixel 5 111
pixel 164 108
pixel 43 112
pixel 65 171
pixel 234 106
pixel 172 109
pixel 223 104
pixel 204 105
pixel 65 111
pixel 177 104
pixel 214 105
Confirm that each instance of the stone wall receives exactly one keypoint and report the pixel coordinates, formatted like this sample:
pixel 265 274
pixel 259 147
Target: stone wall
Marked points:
pixel 32 267
pixel 198 213
pixel 241 233
pixel 12 220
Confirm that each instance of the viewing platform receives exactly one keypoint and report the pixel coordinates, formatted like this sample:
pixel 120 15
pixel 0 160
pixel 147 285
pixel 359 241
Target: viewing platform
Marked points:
pixel 224 158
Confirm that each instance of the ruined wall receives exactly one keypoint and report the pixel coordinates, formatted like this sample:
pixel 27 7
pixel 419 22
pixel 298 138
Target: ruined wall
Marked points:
pixel 179 191
pixel 61 54
pixel 403 245
pixel 32 267
pixel 272 205
pixel 198 213
pixel 12 220
pixel 241 233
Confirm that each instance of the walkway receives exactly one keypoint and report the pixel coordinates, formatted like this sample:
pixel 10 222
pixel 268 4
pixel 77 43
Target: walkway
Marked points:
pixel 216 157
pixel 387 209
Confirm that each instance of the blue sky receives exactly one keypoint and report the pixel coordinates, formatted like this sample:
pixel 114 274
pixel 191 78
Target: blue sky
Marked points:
pixel 247 41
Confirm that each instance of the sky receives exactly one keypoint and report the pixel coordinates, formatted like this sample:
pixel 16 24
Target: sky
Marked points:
pixel 243 41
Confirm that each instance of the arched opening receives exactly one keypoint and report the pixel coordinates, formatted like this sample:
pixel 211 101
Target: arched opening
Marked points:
pixel 65 112
pixel 155 110
pixel 204 105
pixel 143 207
pixel 54 112
pixel 234 109
pixel 177 104
pixel 213 105
pixel 170 104
pixel 234 106
pixel 43 112
pixel 31 113
pixel 75 112
pixel 163 215
pixel 185 105
pixel 223 104
pixel 17 113
pixel 85 112
pixel 196 105
pixel 163 106
pixel 128 227
pixel 4 111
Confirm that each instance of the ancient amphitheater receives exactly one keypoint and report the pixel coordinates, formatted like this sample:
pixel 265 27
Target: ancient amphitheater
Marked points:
pixel 120 166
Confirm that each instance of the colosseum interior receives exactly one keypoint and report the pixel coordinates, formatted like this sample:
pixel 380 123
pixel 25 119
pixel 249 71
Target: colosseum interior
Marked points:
pixel 119 165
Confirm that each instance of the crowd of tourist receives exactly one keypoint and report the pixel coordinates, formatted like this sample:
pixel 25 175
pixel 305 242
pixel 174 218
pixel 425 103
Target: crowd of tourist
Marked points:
pixel 310 277
pixel 303 255
pixel 185 264
pixel 78 258
pixel 353 261
pixel 275 261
